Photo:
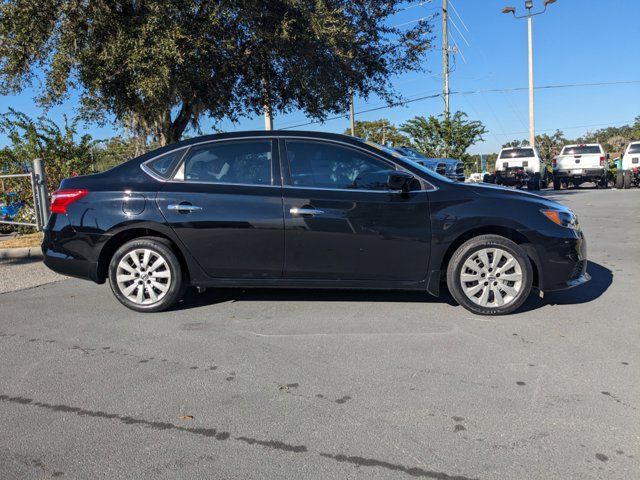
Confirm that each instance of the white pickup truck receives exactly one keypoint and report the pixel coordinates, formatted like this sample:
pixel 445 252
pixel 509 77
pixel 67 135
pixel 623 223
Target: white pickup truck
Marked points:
pixel 519 167
pixel 629 174
pixel 578 164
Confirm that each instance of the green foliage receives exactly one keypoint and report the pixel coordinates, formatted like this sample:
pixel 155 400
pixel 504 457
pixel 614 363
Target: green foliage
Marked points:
pixel 380 131
pixel 445 137
pixel 63 151
pixel 158 66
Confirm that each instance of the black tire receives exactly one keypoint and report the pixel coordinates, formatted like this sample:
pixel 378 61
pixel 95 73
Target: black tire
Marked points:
pixel 627 179
pixel 620 179
pixel 176 278
pixel 534 183
pixel 556 183
pixel 487 178
pixel 466 252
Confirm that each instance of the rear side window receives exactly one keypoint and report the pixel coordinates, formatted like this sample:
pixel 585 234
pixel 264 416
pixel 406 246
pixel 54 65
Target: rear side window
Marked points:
pixel 517 153
pixel 581 150
pixel 634 148
pixel 321 165
pixel 241 162
pixel 163 165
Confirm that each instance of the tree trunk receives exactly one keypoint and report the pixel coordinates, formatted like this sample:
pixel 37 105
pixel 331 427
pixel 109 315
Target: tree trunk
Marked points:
pixel 169 131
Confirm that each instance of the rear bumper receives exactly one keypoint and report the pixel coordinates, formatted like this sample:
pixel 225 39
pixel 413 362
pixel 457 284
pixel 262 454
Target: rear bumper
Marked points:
pixel 579 173
pixel 67 253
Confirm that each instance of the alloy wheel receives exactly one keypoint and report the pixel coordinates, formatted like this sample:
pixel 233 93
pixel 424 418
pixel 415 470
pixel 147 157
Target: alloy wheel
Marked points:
pixel 491 277
pixel 143 276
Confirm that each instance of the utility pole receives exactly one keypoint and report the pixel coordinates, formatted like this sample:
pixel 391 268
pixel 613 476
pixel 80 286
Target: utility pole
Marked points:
pixel 268 118
pixel 532 119
pixel 352 115
pixel 445 56
pixel 528 5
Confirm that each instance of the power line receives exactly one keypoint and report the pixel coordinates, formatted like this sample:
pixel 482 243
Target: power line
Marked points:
pixel 468 92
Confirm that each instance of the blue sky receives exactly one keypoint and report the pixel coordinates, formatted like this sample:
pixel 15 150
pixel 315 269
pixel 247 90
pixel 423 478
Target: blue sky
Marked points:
pixel 576 41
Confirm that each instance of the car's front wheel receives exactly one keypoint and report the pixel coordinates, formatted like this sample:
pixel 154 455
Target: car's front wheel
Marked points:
pixel 145 275
pixel 490 275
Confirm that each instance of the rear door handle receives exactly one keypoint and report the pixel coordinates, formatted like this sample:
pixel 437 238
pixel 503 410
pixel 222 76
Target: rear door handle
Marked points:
pixel 183 207
pixel 305 211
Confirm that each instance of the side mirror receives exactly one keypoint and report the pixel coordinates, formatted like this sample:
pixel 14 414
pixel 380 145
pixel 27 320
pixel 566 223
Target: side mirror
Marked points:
pixel 399 181
pixel 621 156
pixel 608 156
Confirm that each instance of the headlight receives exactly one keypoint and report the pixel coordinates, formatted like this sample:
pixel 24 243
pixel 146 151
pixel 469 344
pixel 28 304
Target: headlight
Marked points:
pixel 564 218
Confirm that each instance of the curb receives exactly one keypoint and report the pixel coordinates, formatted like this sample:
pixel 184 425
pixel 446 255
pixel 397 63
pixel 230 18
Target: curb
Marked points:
pixel 24 253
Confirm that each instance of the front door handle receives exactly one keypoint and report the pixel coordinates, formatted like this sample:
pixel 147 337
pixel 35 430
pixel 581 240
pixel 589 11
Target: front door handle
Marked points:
pixel 183 207
pixel 305 211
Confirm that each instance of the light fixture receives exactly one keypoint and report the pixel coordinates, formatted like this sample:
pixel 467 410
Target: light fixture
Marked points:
pixel 509 10
pixel 549 2
pixel 528 4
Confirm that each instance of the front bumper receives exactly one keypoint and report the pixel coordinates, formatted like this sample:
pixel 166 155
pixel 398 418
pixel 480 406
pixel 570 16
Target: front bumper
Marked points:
pixel 562 262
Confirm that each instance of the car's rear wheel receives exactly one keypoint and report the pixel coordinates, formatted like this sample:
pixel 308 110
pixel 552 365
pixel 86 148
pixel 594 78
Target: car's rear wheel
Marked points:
pixel 490 275
pixel 620 179
pixel 556 183
pixel 145 275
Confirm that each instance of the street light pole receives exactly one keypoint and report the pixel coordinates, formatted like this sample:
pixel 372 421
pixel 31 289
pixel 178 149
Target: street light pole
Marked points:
pixel 528 4
pixel 352 115
pixel 532 118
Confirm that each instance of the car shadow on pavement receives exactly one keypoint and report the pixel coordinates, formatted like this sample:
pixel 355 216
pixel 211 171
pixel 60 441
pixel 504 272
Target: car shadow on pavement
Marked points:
pixel 213 296
pixel 601 280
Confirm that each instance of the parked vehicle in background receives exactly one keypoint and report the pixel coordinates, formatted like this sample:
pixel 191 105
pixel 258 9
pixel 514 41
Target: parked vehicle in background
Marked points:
pixel 475 177
pixel 578 164
pixel 519 167
pixel 629 173
pixel 307 210
pixel 415 156
pixel 449 167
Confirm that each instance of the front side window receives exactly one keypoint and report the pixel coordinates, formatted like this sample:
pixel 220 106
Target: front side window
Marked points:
pixel 320 165
pixel 240 162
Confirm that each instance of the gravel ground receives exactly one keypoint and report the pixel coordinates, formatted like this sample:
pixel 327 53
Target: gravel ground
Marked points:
pixel 294 384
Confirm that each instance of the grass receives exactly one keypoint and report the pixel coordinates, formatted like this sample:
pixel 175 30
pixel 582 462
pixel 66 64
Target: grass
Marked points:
pixel 28 240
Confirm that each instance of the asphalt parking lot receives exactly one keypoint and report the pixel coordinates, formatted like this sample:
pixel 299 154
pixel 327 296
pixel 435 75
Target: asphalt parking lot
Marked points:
pixel 303 384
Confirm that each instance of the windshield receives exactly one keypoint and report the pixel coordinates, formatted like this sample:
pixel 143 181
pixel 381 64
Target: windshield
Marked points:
pixel 634 148
pixel 581 150
pixel 412 160
pixel 517 153
pixel 410 152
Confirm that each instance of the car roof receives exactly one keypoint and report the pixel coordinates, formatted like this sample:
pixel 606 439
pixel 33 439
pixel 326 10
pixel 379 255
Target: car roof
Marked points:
pixel 583 145
pixel 267 134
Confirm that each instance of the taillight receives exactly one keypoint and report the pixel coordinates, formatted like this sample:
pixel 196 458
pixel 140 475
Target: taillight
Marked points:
pixel 61 199
pixel 554 163
pixel 602 161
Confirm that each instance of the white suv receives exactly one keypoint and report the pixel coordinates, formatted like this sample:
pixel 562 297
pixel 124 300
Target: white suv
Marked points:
pixel 519 166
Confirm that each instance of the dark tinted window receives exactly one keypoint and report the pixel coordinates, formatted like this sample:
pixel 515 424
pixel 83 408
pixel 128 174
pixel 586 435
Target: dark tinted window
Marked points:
pixel 247 162
pixel 164 164
pixel 321 165
pixel 634 148
pixel 581 150
pixel 517 153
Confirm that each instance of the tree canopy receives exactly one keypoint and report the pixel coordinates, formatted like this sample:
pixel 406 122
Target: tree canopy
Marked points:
pixel 444 137
pixel 158 66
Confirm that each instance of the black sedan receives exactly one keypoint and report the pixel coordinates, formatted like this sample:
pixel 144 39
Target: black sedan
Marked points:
pixel 310 210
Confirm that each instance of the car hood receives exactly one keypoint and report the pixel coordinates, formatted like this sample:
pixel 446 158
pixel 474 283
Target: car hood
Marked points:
pixel 505 193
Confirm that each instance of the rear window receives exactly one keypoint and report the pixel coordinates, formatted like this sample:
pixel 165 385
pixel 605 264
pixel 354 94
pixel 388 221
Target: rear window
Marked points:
pixel 581 150
pixel 163 165
pixel 634 148
pixel 517 153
